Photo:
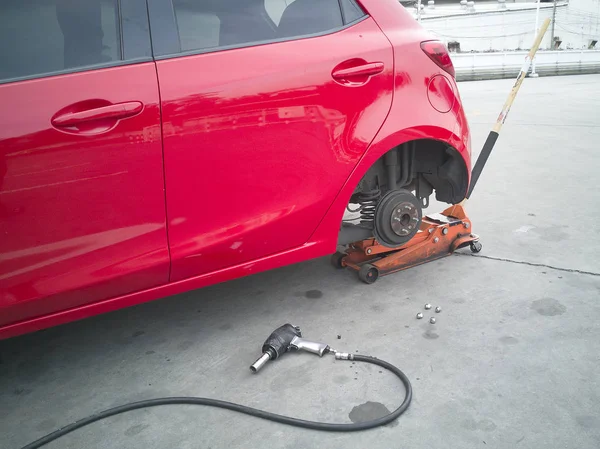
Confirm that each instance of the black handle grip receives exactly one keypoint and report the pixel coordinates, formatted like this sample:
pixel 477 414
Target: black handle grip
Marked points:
pixel 482 159
pixel 279 341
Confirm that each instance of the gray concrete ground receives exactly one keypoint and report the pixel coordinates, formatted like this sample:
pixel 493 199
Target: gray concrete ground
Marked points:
pixel 512 362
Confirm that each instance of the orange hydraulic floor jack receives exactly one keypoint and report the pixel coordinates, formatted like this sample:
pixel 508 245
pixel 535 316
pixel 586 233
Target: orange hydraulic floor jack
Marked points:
pixel 439 235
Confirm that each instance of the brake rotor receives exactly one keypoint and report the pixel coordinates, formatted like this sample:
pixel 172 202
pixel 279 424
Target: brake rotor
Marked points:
pixel 397 218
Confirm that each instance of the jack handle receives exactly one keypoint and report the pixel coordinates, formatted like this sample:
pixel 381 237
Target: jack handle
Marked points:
pixel 495 132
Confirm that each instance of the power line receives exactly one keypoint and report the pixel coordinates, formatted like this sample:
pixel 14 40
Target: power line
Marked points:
pixel 575 21
pixel 580 33
pixel 454 36
pixel 496 25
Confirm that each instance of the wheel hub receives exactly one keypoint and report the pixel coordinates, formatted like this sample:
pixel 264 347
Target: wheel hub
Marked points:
pixel 404 219
pixel 397 218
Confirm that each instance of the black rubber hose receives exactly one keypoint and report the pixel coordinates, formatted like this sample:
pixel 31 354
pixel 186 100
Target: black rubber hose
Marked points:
pixel 404 166
pixel 247 410
pixel 391 161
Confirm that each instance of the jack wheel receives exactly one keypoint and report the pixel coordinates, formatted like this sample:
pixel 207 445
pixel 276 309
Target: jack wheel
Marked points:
pixel 476 247
pixel 368 273
pixel 337 259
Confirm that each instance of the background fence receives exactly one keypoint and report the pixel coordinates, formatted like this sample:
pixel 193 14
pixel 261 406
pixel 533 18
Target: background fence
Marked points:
pixel 478 66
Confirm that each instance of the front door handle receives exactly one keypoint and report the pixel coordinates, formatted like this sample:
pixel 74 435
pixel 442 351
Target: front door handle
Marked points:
pixel 360 71
pixel 111 112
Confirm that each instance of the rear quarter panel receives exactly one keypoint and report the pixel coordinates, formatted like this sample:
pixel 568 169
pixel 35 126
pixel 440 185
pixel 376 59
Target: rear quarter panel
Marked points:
pixel 411 116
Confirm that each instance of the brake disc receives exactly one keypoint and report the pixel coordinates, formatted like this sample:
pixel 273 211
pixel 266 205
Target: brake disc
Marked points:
pixel 397 218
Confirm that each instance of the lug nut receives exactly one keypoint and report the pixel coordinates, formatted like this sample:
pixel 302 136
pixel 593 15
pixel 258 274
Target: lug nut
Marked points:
pixel 419 316
pixel 432 320
pixel 438 309
pixel 427 306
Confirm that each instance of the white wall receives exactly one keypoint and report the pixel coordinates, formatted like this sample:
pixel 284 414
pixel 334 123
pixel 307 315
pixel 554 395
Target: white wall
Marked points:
pixel 577 22
pixel 476 66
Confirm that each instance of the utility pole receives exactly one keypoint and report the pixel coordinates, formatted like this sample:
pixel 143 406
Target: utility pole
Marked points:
pixel 534 74
pixel 419 11
pixel 553 20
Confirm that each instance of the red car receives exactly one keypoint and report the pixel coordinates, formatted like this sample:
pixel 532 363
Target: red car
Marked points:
pixel 153 147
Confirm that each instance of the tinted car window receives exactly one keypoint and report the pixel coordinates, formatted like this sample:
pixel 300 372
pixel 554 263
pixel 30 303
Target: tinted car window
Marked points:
pixel 304 17
pixel 206 24
pixel 197 29
pixel 351 11
pixel 44 36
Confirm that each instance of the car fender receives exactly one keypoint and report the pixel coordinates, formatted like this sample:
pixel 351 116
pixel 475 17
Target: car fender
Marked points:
pixel 329 227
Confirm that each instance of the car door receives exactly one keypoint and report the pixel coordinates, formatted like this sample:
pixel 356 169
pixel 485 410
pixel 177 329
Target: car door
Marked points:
pixel 82 212
pixel 267 105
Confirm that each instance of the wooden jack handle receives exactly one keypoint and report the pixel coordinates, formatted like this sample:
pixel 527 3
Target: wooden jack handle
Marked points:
pixel 493 135
pixel 521 76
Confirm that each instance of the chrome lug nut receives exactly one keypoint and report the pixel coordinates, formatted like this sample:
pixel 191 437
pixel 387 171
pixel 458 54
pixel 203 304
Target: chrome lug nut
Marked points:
pixel 419 316
pixel 432 320
pixel 438 309
pixel 427 306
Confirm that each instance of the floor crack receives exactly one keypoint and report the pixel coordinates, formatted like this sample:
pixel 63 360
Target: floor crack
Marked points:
pixel 531 264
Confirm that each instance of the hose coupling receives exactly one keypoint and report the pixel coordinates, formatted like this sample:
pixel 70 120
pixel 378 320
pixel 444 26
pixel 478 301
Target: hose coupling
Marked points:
pixel 344 356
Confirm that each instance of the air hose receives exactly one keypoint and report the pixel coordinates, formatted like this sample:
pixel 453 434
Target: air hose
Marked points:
pixel 314 425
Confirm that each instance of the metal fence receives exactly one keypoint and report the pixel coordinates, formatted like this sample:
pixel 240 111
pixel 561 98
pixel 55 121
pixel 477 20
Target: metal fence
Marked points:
pixel 480 66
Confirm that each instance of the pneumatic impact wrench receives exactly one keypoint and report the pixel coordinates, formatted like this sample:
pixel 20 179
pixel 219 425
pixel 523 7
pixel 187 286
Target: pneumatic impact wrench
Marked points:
pixel 284 339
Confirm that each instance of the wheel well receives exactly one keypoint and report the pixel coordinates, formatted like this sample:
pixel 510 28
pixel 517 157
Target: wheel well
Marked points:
pixel 421 166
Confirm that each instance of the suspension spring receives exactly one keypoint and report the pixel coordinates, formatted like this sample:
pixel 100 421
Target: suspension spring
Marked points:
pixel 368 203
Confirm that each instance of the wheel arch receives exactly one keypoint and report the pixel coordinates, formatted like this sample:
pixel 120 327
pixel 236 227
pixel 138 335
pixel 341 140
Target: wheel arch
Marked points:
pixel 328 229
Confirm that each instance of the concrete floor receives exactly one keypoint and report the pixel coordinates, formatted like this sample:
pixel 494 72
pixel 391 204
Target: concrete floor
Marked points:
pixel 513 360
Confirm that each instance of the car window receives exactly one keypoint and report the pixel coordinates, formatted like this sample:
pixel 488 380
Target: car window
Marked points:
pixel 197 29
pixel 44 36
pixel 352 11
pixel 275 8
pixel 302 17
pixel 206 24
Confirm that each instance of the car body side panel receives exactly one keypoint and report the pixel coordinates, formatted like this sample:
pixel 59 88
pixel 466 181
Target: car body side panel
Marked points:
pixel 82 213
pixel 410 118
pixel 292 256
pixel 405 34
pixel 259 140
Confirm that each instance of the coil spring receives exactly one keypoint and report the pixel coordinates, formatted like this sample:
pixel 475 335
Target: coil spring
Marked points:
pixel 368 203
